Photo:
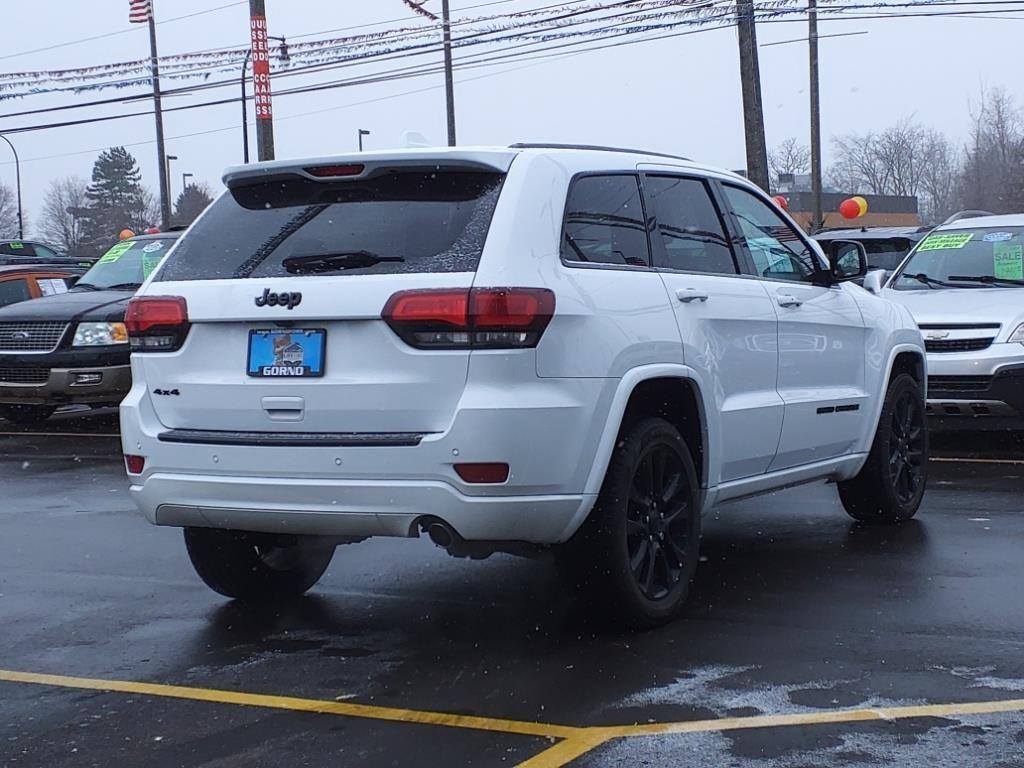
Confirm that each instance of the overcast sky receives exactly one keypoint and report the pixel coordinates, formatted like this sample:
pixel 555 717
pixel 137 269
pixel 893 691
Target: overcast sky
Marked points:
pixel 679 95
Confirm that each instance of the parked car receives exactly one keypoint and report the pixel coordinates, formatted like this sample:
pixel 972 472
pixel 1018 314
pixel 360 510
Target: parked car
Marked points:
pixel 886 246
pixel 515 361
pixel 24 283
pixel 72 347
pixel 964 284
pixel 27 253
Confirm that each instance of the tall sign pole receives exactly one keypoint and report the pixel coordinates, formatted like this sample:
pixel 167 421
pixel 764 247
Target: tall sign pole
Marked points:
pixel 261 80
pixel 141 12
pixel 817 222
pixel 753 111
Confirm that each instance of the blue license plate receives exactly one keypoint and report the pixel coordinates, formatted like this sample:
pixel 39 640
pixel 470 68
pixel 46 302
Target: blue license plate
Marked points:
pixel 287 354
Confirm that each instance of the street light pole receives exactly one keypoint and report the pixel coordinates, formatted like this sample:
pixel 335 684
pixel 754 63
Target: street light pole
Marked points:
pixel 168 159
pixel 362 132
pixel 184 180
pixel 17 176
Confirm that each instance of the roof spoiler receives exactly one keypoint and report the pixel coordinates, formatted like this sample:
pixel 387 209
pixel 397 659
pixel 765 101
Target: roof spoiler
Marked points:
pixel 959 215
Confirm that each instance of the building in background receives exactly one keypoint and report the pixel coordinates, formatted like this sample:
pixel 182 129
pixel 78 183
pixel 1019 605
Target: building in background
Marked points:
pixel 883 210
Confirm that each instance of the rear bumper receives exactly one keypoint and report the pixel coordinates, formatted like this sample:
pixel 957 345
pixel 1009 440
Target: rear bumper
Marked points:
pixel 59 386
pixel 351 508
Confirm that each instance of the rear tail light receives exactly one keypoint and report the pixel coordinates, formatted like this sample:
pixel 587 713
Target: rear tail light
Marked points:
pixel 477 318
pixel 156 323
pixel 134 464
pixel 482 473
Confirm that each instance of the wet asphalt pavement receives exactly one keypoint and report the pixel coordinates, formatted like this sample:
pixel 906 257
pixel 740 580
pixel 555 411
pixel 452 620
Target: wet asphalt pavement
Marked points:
pixel 795 610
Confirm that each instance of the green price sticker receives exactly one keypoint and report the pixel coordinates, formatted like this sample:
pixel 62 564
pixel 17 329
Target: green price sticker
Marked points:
pixel 17 246
pixel 117 252
pixel 149 263
pixel 945 242
pixel 1008 261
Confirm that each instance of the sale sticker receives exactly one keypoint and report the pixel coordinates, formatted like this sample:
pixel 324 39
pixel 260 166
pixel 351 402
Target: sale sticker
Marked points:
pixel 945 242
pixel 116 252
pixel 1008 261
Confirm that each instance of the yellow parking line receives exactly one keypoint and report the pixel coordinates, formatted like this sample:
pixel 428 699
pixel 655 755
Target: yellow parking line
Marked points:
pixel 573 742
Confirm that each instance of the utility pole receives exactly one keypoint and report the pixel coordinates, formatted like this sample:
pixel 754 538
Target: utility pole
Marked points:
pixel 449 82
pixel 165 203
pixel 817 222
pixel 261 80
pixel 753 111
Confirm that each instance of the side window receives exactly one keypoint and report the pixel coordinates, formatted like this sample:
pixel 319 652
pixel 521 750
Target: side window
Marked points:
pixel 45 252
pixel 604 222
pixel 778 251
pixel 690 228
pixel 17 248
pixel 12 291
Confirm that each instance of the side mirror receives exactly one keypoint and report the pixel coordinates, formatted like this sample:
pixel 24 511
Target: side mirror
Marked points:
pixel 875 280
pixel 848 260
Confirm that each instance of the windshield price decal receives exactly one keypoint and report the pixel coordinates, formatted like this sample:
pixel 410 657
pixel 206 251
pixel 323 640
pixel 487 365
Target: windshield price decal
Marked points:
pixel 946 242
pixel 116 252
pixel 1008 261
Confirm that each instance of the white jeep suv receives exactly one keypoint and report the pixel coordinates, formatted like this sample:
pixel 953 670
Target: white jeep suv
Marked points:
pixel 571 348
pixel 964 285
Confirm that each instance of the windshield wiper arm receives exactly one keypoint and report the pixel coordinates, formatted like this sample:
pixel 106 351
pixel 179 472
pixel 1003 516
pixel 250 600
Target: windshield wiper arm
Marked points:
pixel 986 279
pixel 123 286
pixel 85 287
pixel 931 282
pixel 331 262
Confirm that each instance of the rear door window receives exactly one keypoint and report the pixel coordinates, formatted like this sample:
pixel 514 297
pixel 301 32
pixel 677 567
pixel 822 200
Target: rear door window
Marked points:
pixel 604 222
pixel 17 248
pixel 691 230
pixel 396 222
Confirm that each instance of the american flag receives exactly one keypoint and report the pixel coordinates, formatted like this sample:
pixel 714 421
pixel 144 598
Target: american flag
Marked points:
pixel 140 11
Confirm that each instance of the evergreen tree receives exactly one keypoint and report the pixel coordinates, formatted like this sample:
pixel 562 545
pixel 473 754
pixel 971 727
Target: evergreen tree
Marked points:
pixel 190 203
pixel 116 200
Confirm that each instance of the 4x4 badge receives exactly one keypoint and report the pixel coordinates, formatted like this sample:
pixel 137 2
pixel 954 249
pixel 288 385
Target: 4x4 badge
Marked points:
pixel 284 299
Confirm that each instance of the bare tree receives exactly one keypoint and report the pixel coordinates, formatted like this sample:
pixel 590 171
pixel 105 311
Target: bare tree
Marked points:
pixel 859 166
pixel 789 157
pixel 939 194
pixel 8 213
pixel 994 156
pixel 60 223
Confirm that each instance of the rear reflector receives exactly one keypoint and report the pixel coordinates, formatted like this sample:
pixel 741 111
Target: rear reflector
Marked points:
pixel 134 464
pixel 334 171
pixel 477 318
pixel 482 473
pixel 156 323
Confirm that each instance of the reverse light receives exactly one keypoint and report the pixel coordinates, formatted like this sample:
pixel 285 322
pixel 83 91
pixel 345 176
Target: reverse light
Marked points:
pixel 477 318
pixel 1017 335
pixel 492 472
pixel 100 334
pixel 134 464
pixel 157 323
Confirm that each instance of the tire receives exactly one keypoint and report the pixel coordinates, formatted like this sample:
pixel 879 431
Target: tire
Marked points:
pixel 634 568
pixel 891 484
pixel 27 415
pixel 251 566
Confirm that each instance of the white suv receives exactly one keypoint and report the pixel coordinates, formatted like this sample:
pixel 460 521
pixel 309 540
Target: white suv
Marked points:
pixel 572 348
pixel 964 284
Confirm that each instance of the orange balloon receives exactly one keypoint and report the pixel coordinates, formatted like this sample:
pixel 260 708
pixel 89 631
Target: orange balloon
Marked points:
pixel 126 233
pixel 782 202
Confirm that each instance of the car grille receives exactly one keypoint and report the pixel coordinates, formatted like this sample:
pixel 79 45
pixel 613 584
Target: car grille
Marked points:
pixel 959 384
pixel 31 337
pixel 24 375
pixel 957 345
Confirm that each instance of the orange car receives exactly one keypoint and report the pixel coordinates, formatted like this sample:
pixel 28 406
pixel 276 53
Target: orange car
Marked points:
pixel 21 283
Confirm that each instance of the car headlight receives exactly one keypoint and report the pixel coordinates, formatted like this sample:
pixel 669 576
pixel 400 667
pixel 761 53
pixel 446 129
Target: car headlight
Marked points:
pixel 100 334
pixel 1017 335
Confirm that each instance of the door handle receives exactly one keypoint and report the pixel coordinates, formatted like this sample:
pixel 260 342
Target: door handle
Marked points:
pixel 786 300
pixel 688 295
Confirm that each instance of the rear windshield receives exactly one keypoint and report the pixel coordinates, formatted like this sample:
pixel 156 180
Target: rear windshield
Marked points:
pixel 398 222
pixel 888 253
pixel 125 265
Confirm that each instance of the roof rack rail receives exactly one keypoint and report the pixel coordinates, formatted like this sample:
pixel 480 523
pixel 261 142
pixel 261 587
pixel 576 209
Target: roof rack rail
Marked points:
pixel 967 215
pixel 596 148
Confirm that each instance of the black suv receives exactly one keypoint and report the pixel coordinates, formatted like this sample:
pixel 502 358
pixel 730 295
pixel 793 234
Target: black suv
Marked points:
pixel 72 348
pixel 25 253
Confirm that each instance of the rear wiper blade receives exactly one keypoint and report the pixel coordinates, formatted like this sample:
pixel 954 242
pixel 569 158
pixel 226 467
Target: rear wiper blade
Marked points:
pixel 986 279
pixel 124 287
pixel 931 282
pixel 331 262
